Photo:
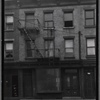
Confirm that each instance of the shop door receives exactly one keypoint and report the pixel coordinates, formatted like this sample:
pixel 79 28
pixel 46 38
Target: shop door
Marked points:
pixel 89 85
pixel 71 84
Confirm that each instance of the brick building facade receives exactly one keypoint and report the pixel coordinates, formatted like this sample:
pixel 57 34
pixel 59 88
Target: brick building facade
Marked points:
pixel 50 49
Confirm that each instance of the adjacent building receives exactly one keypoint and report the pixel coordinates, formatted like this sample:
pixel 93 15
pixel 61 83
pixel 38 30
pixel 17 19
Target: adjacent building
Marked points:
pixel 50 49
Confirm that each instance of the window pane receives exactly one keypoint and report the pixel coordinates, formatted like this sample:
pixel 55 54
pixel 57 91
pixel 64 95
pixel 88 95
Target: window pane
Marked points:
pixel 48 80
pixel 89 22
pixel 69 50
pixel 89 14
pixel 68 17
pixel 9 46
pixel 9 19
pixel 49 24
pixel 68 24
pixel 91 51
pixel 48 17
pixel 90 42
pixel 68 43
pixel 9 26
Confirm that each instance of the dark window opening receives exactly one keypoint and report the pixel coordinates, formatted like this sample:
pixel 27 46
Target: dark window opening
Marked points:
pixel 68 24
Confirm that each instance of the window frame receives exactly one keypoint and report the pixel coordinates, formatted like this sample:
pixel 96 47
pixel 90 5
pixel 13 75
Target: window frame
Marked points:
pixel 69 55
pixel 58 80
pixel 65 12
pixel 26 49
pixel 7 23
pixel 48 12
pixel 28 13
pixel 11 51
pixel 48 40
pixel 87 10
pixel 90 47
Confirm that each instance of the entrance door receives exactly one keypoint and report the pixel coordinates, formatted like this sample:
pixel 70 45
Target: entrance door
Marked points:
pixel 89 85
pixel 71 83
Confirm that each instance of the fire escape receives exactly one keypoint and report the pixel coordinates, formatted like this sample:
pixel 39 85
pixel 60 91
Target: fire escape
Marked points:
pixel 30 30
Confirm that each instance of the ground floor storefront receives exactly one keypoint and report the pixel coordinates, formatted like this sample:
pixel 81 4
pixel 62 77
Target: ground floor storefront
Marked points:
pixel 50 81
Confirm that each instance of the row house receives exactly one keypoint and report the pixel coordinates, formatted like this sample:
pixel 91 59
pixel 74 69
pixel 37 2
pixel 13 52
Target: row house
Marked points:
pixel 50 49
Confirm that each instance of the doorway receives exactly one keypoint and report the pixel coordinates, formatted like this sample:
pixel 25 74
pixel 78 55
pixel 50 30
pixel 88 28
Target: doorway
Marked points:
pixel 71 83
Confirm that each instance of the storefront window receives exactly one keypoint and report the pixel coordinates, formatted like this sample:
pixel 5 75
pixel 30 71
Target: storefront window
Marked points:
pixel 48 80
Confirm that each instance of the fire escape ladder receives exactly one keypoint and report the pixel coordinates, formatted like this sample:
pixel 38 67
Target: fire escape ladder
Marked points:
pixel 35 47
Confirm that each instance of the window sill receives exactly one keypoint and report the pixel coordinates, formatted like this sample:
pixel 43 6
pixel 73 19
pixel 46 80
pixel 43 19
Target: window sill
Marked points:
pixel 91 57
pixel 9 30
pixel 49 28
pixel 69 27
pixel 93 26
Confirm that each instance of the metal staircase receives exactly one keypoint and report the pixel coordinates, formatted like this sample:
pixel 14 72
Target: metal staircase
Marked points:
pixel 26 32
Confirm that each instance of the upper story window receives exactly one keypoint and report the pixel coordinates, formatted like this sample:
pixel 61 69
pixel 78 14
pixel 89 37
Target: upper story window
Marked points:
pixel 69 47
pixel 90 46
pixel 68 19
pixel 89 17
pixel 8 53
pixel 48 20
pixel 29 20
pixel 9 22
pixel 49 48
pixel 30 51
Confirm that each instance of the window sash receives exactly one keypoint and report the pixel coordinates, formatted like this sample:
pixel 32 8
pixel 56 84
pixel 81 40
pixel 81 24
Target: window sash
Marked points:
pixel 68 16
pixel 91 51
pixel 90 46
pixel 9 19
pixel 48 16
pixel 89 18
pixel 9 46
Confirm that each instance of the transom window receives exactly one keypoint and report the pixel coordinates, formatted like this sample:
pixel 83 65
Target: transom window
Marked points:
pixel 89 18
pixel 9 22
pixel 48 20
pixel 91 46
pixel 68 19
pixel 8 50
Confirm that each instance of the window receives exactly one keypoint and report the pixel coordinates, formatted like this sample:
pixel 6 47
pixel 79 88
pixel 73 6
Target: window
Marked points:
pixel 9 22
pixel 91 46
pixel 8 50
pixel 69 47
pixel 89 18
pixel 30 51
pixel 49 48
pixel 48 20
pixel 68 19
pixel 48 80
pixel 30 21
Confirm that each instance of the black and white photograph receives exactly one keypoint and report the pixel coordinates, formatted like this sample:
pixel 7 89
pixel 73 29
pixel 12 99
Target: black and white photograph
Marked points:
pixel 50 50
